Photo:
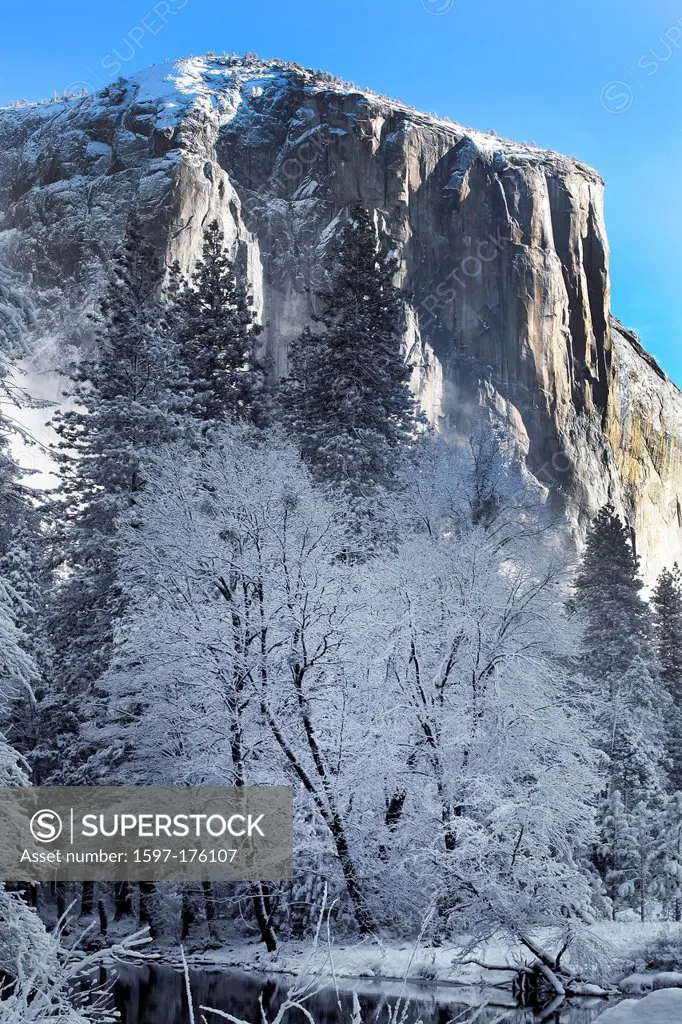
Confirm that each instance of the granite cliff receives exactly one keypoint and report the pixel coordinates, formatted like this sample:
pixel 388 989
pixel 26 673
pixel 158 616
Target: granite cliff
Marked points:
pixel 502 249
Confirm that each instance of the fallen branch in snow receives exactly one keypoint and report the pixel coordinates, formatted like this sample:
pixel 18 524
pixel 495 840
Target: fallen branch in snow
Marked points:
pixel 515 968
pixel 543 978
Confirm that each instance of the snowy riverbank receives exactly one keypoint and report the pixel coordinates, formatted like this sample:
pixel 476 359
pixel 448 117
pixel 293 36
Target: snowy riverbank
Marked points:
pixel 623 946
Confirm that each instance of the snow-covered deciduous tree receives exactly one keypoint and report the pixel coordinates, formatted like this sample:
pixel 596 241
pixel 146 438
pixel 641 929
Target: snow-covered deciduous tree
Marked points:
pixel 499 765
pixel 422 700
pixel 43 979
pixel 238 660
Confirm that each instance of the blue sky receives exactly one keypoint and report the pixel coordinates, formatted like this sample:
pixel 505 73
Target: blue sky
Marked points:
pixel 598 79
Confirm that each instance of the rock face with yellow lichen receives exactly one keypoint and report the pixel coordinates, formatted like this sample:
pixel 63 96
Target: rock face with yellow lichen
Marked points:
pixel 502 250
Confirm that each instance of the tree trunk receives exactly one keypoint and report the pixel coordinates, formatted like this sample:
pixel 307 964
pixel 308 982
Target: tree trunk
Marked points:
pixel 61 898
pixel 394 812
pixel 103 923
pixel 147 890
pixel 209 900
pixel 123 901
pixel 209 907
pixel 87 899
pixel 259 898
pixel 186 915
pixel 328 812
pixel 362 914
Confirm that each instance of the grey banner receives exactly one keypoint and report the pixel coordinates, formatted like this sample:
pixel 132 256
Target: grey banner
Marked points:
pixel 145 833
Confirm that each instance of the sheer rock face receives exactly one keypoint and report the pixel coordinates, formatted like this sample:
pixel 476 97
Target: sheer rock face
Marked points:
pixel 502 252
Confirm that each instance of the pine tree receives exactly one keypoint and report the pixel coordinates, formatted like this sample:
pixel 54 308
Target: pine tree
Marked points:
pixel 25 581
pixel 620 659
pixel 12 493
pixel 18 670
pixel 615 839
pixel 671 854
pixel 667 602
pixel 217 333
pixel 124 408
pixel 347 399
pixel 641 858
pixel 22 586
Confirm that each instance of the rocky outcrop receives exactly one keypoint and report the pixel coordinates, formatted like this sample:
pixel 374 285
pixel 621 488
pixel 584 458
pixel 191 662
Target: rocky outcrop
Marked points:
pixel 502 250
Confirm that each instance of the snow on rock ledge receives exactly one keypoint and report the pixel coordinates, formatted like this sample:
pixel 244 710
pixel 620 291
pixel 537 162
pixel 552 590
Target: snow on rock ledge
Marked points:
pixel 502 248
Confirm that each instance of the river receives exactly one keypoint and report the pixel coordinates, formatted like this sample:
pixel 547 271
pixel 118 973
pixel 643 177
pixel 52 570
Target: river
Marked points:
pixel 156 995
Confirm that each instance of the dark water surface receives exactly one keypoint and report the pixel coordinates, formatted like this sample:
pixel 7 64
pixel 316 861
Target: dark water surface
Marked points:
pixel 156 995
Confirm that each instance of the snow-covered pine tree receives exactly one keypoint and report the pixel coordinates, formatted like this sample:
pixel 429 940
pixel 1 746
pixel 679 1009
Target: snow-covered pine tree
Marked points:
pixel 610 852
pixel 641 862
pixel 620 659
pixel 347 399
pixel 667 602
pixel 671 857
pixel 12 493
pixel 223 377
pixel 23 581
pixel 124 407
pixel 20 643
pixel 27 578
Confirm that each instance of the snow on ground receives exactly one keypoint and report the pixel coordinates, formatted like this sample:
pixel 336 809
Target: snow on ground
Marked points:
pixel 657 1008
pixel 622 945
pixel 638 984
pixel 369 959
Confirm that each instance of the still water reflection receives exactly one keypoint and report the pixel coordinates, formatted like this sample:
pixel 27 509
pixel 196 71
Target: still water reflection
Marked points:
pixel 156 995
